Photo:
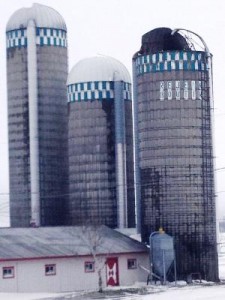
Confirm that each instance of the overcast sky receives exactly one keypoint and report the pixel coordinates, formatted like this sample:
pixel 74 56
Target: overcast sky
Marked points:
pixel 115 27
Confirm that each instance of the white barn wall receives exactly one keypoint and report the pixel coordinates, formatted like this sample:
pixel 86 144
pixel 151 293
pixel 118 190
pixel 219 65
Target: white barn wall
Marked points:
pixel 9 284
pixel 73 276
pixel 130 276
pixel 70 274
pixel 31 276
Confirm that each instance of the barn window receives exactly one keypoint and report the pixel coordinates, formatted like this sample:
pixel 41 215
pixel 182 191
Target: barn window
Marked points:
pixel 50 270
pixel 132 263
pixel 89 266
pixel 8 272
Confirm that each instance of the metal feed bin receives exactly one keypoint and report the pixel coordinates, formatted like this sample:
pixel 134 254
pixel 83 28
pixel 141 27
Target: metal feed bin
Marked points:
pixel 162 255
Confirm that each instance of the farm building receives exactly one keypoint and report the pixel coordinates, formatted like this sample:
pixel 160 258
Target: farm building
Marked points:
pixel 61 259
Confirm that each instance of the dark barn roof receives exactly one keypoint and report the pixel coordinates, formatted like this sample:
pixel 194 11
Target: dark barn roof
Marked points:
pixel 24 243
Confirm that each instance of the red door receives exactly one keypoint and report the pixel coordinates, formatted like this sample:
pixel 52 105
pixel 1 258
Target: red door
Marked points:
pixel 112 274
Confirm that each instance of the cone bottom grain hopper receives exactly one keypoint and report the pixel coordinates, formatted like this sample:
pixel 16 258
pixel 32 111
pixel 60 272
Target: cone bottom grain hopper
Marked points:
pixel 162 256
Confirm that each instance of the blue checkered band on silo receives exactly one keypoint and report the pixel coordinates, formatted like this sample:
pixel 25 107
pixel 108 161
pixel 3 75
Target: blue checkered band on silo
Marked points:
pixel 16 38
pixel 44 37
pixel 171 61
pixel 51 37
pixel 95 90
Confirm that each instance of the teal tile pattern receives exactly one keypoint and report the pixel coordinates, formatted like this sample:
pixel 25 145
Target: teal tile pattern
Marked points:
pixel 95 90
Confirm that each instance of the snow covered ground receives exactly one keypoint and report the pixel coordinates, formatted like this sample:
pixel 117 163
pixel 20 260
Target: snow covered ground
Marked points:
pixel 193 292
pixel 184 293
pixel 27 296
pixel 189 293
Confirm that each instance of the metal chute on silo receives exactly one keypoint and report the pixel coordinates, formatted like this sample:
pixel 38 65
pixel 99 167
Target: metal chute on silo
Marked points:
pixel 162 254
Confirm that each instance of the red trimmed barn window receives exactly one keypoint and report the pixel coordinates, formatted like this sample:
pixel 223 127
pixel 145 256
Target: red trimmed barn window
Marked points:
pixel 131 263
pixel 50 269
pixel 8 272
pixel 89 266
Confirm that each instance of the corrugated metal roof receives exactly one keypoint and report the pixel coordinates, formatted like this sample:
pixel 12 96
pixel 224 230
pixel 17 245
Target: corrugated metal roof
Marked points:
pixel 23 243
pixel 43 16
pixel 98 68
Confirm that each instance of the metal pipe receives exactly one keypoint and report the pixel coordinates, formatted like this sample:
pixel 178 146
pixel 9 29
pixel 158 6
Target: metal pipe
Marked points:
pixel 151 254
pixel 33 122
pixel 175 264
pixel 201 39
pixel 137 181
pixel 120 149
pixel 164 267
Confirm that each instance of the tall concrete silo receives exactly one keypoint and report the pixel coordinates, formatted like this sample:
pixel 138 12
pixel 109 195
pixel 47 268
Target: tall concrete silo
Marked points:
pixel 100 143
pixel 36 41
pixel 174 156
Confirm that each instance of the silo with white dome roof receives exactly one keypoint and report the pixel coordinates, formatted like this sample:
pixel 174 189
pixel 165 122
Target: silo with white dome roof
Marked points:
pixel 36 41
pixel 100 143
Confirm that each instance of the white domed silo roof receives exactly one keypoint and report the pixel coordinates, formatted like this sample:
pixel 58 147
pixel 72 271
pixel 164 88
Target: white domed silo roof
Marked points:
pixel 43 16
pixel 98 68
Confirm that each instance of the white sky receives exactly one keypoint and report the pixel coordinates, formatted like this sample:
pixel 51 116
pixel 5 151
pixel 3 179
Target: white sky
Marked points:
pixel 115 27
